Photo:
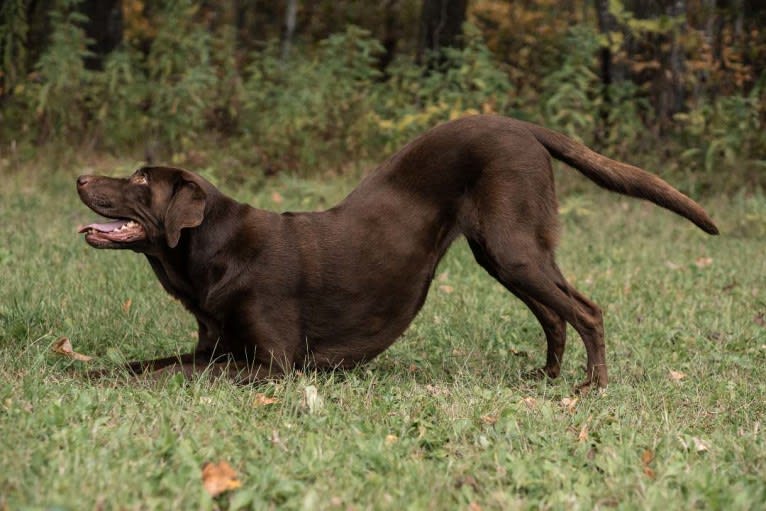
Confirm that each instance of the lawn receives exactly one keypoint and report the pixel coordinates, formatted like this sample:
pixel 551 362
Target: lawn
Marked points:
pixel 445 419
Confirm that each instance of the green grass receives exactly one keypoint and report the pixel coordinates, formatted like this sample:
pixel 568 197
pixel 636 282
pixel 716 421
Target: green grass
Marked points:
pixel 442 420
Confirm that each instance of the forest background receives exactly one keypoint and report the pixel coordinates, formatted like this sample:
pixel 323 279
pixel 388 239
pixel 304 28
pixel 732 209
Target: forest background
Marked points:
pixel 317 87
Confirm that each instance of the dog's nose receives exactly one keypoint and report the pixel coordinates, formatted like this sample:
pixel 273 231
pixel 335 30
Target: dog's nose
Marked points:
pixel 83 180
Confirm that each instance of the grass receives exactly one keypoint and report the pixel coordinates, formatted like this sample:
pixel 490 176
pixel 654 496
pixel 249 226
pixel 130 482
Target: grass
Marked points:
pixel 442 420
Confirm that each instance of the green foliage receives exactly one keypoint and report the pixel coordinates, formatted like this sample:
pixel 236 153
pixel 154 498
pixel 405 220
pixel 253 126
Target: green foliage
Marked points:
pixel 658 25
pixel 727 130
pixel 312 108
pixel 13 39
pixel 570 96
pixel 467 81
pixel 182 83
pixel 181 75
pixel 122 91
pixel 60 95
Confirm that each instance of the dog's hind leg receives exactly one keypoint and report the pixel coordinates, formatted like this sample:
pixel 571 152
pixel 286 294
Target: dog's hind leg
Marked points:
pixel 554 326
pixel 527 269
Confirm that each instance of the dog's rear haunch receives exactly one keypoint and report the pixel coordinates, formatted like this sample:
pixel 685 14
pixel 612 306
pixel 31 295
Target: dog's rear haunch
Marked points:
pixel 272 292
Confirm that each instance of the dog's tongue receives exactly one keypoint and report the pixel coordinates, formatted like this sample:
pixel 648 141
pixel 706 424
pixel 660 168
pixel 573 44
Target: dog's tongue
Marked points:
pixel 105 227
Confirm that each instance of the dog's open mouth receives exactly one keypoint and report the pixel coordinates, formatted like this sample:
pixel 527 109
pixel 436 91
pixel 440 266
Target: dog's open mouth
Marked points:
pixel 118 232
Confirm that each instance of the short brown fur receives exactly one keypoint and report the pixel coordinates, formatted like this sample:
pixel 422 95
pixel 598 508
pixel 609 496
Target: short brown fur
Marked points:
pixel 272 292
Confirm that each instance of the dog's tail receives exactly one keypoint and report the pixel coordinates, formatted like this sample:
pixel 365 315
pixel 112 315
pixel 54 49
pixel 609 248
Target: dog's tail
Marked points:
pixel 621 177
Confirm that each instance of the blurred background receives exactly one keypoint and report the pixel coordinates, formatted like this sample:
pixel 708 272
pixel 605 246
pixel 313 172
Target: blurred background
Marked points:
pixel 320 87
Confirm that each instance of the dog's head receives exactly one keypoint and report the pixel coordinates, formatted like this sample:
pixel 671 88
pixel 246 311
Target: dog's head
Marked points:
pixel 146 210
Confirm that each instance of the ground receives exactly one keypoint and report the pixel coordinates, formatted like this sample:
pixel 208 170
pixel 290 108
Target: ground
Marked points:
pixel 445 419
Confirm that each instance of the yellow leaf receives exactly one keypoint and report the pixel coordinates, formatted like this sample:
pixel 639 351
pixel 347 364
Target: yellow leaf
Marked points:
pixel 700 445
pixel 218 478
pixel 570 403
pixel 677 375
pixel 582 436
pixel 264 400
pixel 703 262
pixel 444 288
pixel 126 305
pixel 63 346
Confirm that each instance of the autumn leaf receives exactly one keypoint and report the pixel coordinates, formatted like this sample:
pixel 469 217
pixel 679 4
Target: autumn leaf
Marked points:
pixel 126 305
pixel 489 419
pixel 530 402
pixel 760 319
pixel 391 439
pixel 570 403
pixel 264 400
pixel 276 197
pixel 582 436
pixel 218 478
pixel 63 346
pixel 703 262
pixel 700 445
pixel 444 288
pixel 646 458
pixel 677 375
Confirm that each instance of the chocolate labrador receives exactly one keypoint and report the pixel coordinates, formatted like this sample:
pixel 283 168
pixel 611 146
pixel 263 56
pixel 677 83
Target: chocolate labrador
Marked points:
pixel 272 292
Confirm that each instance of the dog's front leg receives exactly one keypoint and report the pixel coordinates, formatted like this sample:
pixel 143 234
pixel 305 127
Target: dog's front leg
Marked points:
pixel 236 371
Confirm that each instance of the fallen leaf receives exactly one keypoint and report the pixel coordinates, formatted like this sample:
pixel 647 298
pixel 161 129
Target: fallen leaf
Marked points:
pixel 583 435
pixel 760 319
pixel 703 262
pixel 443 276
pixel 677 375
pixel 218 478
pixel 672 265
pixel 473 506
pixel 529 401
pixel 312 399
pixel 647 456
pixel 700 445
pixel 444 288
pixel 264 400
pixel 126 305
pixel 63 346
pixel 570 403
pixel 391 439
pixel 276 198
pixel 489 419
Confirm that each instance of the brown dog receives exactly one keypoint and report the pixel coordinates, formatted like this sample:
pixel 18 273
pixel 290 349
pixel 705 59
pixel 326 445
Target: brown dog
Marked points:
pixel 333 289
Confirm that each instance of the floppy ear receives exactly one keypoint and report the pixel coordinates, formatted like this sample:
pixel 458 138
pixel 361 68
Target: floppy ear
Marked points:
pixel 186 209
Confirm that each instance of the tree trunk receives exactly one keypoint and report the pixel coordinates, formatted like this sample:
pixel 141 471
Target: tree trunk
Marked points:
pixel 676 62
pixel 390 36
pixel 610 72
pixel 441 25
pixel 290 14
pixel 104 27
